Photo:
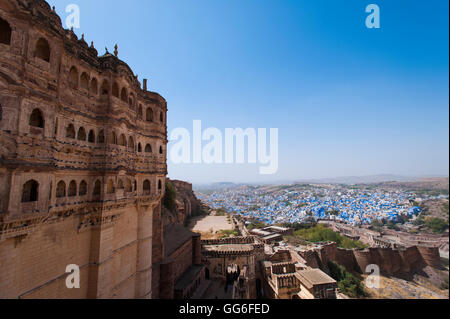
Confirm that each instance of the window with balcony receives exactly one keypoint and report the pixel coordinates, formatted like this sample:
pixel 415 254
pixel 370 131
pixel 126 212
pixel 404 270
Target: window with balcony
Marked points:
pixel 30 191
pixel 72 189
pixel 83 188
pixel 73 78
pixel 42 50
pixel 82 134
pixel 36 119
pixel 61 189
pixel 97 188
pixel 146 187
pixel 70 131
pixel 5 32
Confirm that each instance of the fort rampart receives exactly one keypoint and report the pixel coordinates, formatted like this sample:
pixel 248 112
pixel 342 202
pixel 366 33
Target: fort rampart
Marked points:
pixel 391 261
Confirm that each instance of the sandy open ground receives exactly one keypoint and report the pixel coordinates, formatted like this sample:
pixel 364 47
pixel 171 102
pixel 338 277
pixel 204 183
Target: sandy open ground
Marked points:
pixel 205 224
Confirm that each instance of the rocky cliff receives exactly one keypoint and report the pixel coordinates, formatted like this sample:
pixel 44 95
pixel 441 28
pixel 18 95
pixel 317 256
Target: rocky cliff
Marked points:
pixel 184 204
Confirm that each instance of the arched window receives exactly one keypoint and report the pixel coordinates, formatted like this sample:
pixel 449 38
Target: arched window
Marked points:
pixel 42 50
pixel 36 119
pixel 128 187
pixel 131 100
pixel 159 185
pixel 140 111
pixel 101 137
pixel 148 148
pixel 146 187
pixel 122 140
pixel 161 117
pixel 83 189
pixel 84 81
pixel 61 189
pixel 5 32
pixel 105 88
pixel 149 115
pixel 124 95
pixel 160 150
pixel 30 191
pixel 131 142
pixel 115 90
pixel 94 86
pixel 73 78
pixel 110 187
pixel 120 184
pixel 70 131
pixel 82 134
pixel 97 188
pixel 72 189
pixel 112 138
pixel 139 148
pixel 91 136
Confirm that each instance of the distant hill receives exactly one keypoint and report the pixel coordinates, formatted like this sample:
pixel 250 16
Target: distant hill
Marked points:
pixel 368 179
pixel 429 184
pixel 215 186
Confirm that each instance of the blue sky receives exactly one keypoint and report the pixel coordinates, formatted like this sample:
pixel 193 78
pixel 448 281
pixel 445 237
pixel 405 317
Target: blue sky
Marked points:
pixel 347 100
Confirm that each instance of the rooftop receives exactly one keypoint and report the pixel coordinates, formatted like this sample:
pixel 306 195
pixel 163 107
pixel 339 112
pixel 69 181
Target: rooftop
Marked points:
pixel 313 277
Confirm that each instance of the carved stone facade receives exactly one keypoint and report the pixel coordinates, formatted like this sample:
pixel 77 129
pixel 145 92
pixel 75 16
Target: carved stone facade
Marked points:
pixel 82 164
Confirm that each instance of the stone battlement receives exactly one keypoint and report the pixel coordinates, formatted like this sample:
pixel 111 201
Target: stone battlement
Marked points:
pixel 391 261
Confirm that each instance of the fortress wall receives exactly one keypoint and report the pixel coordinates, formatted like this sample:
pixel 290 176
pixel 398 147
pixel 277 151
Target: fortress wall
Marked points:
pixel 312 258
pixel 346 258
pixel 229 241
pixel 390 261
pixel 430 255
pixel 328 252
pixel 35 266
pixel 363 259
pixel 157 251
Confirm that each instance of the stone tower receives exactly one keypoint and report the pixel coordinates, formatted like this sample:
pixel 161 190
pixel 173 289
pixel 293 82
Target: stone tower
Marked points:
pixel 82 163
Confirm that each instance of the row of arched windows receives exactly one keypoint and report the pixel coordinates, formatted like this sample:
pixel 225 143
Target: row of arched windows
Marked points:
pixel 121 141
pixel 91 85
pixel 41 50
pixel 30 190
pixel 37 120
pixel 42 47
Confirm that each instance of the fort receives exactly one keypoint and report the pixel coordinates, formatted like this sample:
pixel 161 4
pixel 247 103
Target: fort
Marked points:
pixel 83 164
pixel 395 262
pixel 391 238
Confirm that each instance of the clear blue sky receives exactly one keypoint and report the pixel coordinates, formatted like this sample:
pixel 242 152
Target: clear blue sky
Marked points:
pixel 347 100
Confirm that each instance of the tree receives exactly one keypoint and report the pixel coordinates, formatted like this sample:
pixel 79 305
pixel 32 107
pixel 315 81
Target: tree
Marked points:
pixel 170 196
pixel 348 283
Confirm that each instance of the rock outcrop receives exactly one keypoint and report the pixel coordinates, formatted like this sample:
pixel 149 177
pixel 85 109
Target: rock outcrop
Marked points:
pixel 186 204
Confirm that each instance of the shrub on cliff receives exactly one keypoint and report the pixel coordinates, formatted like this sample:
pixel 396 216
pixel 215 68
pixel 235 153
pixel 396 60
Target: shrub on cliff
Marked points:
pixel 436 225
pixel 170 196
pixel 348 283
